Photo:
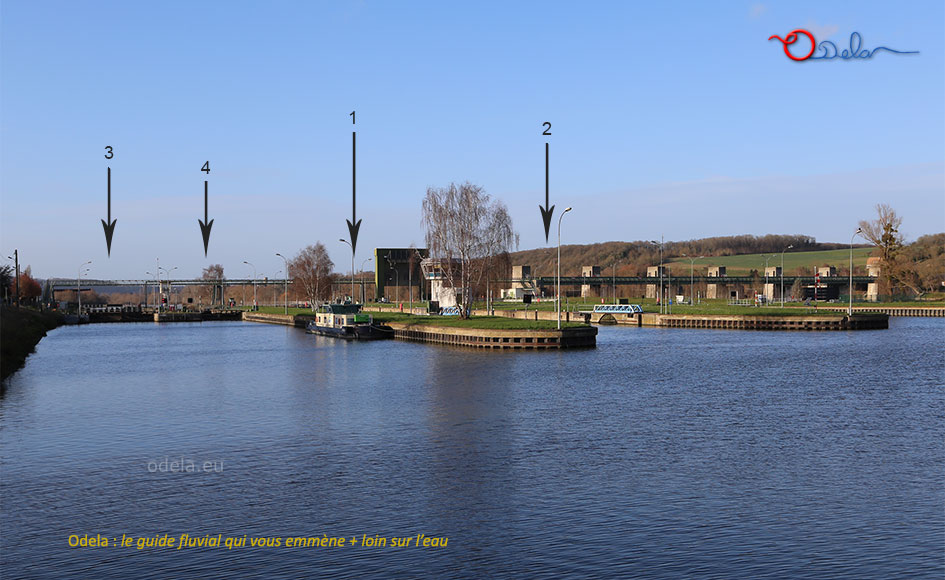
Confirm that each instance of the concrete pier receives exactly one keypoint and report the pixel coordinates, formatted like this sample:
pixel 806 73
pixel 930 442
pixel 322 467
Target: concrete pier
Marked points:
pixel 471 337
pixel 855 322
pixel 581 337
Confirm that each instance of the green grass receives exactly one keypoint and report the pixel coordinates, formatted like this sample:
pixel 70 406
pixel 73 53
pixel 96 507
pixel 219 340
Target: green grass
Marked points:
pixel 743 264
pixel 913 304
pixel 480 322
pixel 721 308
pixel 281 310
pixel 549 304
pixel 484 322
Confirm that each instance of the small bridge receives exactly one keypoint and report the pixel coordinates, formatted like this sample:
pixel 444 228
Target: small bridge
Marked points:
pixel 610 313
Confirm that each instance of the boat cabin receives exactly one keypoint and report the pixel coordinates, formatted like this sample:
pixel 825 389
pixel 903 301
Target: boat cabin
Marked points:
pixel 339 315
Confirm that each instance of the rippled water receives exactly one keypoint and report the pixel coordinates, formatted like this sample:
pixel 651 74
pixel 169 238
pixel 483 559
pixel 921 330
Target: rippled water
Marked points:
pixel 661 453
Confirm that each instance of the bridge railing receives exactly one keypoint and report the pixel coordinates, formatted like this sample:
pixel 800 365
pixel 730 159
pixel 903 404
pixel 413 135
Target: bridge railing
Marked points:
pixel 617 308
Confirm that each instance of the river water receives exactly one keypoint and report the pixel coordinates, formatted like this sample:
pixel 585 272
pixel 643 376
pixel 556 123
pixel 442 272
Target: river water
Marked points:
pixel 662 453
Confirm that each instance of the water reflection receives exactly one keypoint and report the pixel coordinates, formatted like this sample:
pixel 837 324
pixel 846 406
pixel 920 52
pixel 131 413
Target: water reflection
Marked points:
pixel 661 453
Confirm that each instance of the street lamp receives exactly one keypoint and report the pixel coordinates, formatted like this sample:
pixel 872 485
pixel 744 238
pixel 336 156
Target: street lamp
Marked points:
pixel 16 260
pixel 692 261
pixel 78 291
pixel 855 234
pixel 765 293
pixel 558 305
pixel 782 273
pixel 410 265
pixel 146 287
pixel 342 240
pixel 286 284
pixel 157 269
pixel 420 261
pixel 276 277
pixel 363 294
pixel 170 287
pixel 660 296
pixel 390 264
pixel 615 282
pixel 254 284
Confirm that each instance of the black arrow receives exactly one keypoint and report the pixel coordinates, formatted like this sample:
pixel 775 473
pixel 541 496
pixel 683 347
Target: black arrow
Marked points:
pixel 110 224
pixel 354 224
pixel 546 211
pixel 205 224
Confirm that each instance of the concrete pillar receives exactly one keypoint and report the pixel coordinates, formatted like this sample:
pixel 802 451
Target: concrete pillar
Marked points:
pixel 772 291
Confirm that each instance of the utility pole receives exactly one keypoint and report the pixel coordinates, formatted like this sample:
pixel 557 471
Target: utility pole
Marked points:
pixel 855 234
pixel 558 301
pixel 782 273
pixel 16 261
pixel 692 262
pixel 615 283
pixel 286 280
pixel 659 297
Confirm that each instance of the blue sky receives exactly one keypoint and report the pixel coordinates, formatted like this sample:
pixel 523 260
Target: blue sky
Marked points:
pixel 678 119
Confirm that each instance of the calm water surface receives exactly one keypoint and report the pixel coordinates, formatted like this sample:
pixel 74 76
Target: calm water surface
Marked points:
pixel 661 453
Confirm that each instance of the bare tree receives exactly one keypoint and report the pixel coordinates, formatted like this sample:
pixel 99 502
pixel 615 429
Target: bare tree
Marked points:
pixel 214 276
pixel 883 232
pixel 466 230
pixel 312 269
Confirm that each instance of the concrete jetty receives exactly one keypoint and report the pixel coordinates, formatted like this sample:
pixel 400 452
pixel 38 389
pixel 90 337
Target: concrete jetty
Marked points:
pixel 521 339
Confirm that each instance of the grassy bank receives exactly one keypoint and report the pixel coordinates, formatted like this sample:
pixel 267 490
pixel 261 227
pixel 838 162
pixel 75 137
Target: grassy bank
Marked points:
pixel 482 322
pixel 724 309
pixel 20 331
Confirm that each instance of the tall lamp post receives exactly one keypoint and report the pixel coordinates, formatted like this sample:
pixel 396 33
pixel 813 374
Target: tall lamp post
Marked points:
pixel 692 262
pixel 78 290
pixel 16 261
pixel 660 295
pixel 782 273
pixel 170 287
pixel 286 282
pixel 157 268
pixel 390 264
pixel 558 305
pixel 363 293
pixel 146 288
pixel 420 261
pixel 615 282
pixel 254 284
pixel 344 241
pixel 765 293
pixel 855 234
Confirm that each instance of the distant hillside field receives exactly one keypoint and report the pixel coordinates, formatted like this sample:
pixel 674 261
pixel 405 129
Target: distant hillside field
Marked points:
pixel 745 263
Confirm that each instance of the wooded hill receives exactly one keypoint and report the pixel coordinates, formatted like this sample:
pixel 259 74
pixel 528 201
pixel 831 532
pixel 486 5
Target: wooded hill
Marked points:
pixel 925 255
pixel 634 257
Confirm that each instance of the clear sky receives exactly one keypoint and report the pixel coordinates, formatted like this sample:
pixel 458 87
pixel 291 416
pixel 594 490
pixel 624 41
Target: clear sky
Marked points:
pixel 672 118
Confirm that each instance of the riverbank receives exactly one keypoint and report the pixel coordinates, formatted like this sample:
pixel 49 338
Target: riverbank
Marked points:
pixel 21 329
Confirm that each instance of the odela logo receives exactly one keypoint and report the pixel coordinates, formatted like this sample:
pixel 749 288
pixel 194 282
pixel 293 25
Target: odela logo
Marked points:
pixel 827 50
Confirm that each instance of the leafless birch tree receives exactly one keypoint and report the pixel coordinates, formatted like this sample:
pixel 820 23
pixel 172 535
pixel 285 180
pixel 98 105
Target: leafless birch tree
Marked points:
pixel 467 231
pixel 312 269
